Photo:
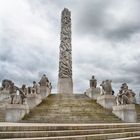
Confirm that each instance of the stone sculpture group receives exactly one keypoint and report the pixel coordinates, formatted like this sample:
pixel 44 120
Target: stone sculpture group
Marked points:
pixel 16 101
pixel 18 95
pixel 125 95
pixel 122 104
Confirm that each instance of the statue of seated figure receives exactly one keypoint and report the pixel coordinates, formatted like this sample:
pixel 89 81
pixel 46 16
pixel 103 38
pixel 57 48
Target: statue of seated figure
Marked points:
pixel 125 95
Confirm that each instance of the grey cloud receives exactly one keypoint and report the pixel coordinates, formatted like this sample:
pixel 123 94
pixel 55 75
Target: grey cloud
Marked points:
pixel 94 18
pixel 123 32
pixel 24 57
pixel 91 16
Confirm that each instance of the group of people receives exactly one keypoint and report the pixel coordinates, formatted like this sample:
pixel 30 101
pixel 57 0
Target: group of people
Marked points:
pixel 18 95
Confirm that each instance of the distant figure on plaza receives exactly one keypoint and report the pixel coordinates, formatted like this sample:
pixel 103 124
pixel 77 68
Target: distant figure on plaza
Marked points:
pixel 44 81
pixel 93 82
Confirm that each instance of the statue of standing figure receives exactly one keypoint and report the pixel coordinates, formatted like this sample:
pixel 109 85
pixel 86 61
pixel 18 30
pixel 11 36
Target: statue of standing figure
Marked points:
pixel 125 95
pixel 106 87
pixel 36 88
pixel 12 91
pixel 44 81
pixel 22 94
pixel 93 82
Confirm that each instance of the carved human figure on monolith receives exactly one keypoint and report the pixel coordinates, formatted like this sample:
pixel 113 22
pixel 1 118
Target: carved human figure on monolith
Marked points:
pixel 93 82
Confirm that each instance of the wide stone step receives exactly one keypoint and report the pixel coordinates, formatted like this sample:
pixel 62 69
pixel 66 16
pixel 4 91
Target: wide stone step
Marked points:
pixel 129 138
pixel 69 121
pixel 85 137
pixel 52 127
pixel 78 113
pixel 30 134
pixel 26 134
pixel 30 131
pixel 69 118
pixel 53 118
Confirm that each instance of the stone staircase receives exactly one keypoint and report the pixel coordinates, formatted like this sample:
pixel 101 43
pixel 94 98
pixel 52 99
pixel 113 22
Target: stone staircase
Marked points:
pixel 138 112
pixel 70 117
pixel 35 131
pixel 76 108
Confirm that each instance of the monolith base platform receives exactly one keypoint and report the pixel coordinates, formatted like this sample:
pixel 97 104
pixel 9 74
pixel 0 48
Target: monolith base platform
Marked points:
pixel 65 85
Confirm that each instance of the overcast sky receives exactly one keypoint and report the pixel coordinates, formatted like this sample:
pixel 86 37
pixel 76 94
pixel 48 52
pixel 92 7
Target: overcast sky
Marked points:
pixel 105 41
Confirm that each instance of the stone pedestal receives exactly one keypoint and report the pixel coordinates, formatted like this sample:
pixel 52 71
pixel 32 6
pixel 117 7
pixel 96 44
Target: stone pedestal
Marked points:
pixel 107 101
pixel 93 93
pixel 127 113
pixel 65 85
pixel 44 91
pixel 15 112
pixel 33 100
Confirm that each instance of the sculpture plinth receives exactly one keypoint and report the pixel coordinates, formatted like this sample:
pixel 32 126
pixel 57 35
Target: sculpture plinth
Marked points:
pixel 65 82
pixel 65 85
pixel 107 101
pixel 127 112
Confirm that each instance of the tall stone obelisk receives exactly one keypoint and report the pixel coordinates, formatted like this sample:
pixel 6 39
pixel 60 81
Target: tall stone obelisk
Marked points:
pixel 65 82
